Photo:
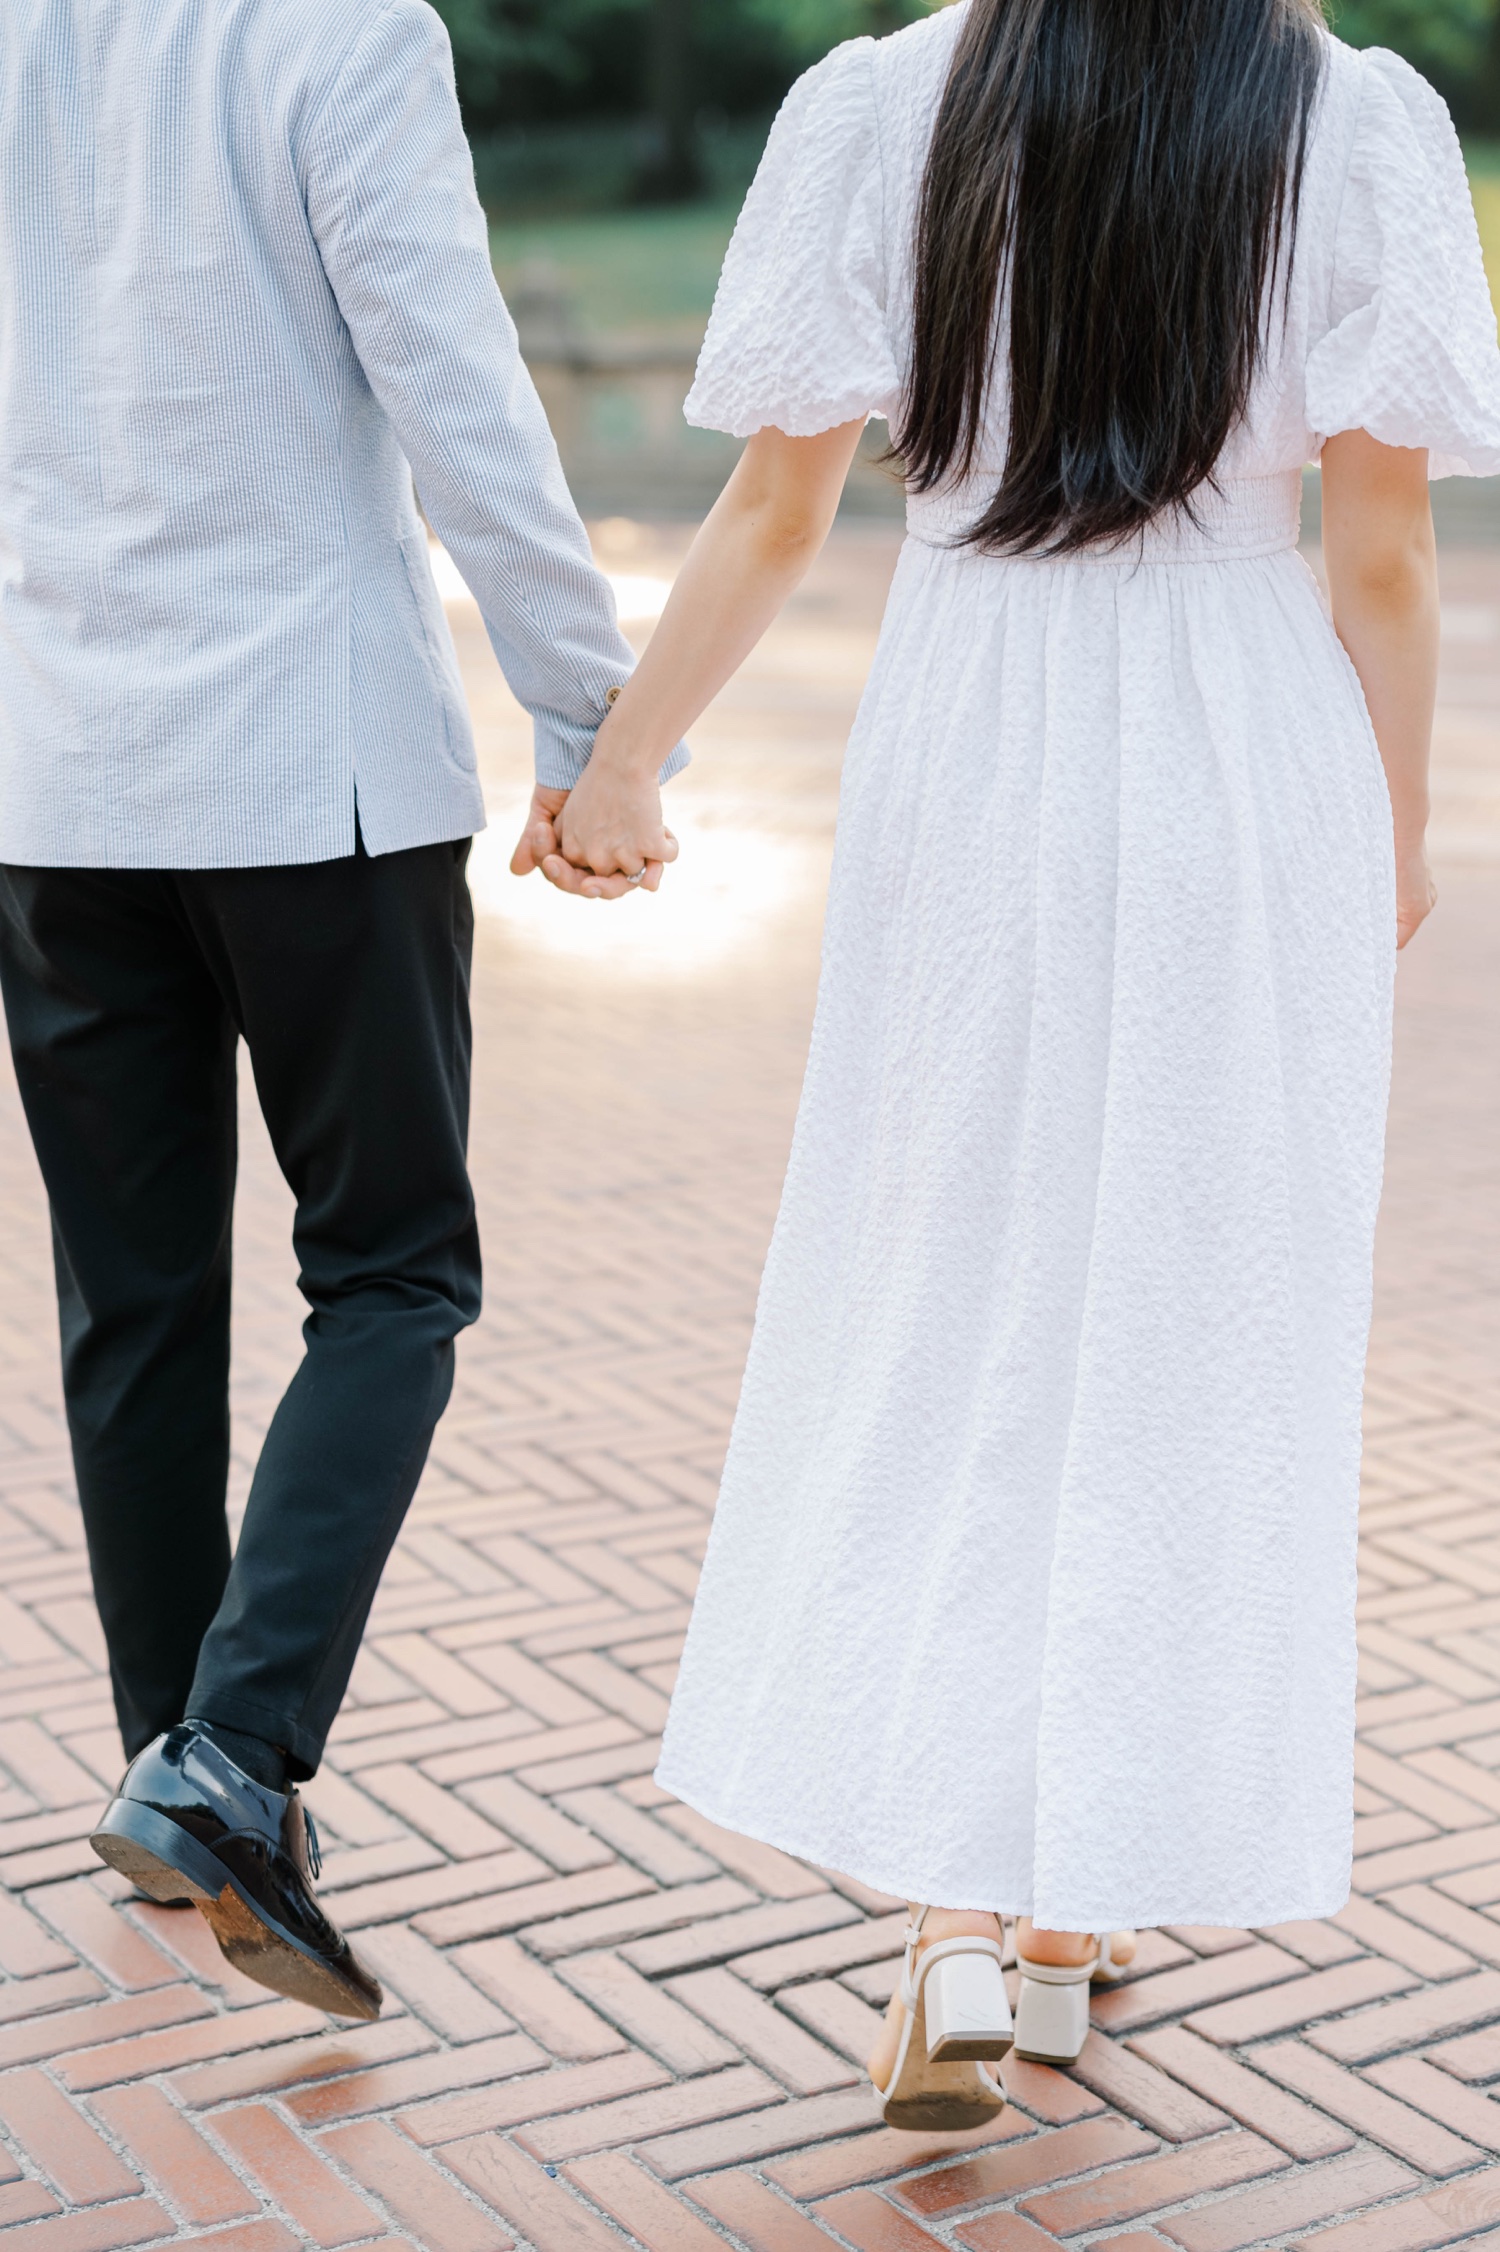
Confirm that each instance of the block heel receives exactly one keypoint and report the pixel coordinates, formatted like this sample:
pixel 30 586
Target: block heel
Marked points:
pixel 956 2023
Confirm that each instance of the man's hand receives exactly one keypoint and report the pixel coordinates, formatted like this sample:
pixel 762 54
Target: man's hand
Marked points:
pixel 539 837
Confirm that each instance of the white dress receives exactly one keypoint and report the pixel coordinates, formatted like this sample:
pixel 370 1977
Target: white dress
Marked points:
pixel 1032 1582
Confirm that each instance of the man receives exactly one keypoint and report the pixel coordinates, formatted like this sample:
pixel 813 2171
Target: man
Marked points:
pixel 245 294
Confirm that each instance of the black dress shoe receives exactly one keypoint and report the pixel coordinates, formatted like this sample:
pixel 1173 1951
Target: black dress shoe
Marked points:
pixel 187 1821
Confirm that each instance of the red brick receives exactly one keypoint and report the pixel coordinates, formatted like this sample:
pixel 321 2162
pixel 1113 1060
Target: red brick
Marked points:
pixel 765 2034
pixel 545 2094
pixel 1403 1941
pixel 54 2035
pixel 1412 2080
pixel 389 2085
pixel 822 1955
pixel 433 1889
pixel 173 2152
pixel 719 1937
pixel 1135 2087
pixel 432 1985
pixel 1130 2192
pixel 772 1872
pixel 760 2134
pixel 136 2221
pixel 534 1822
pixel 650 2016
pixel 296 2063
pixel 639 2203
pixel 538 2208
pixel 1419 2223
pixel 659 2111
pixel 1368 2110
pixel 1253 2016
pixel 1044 2158
pixel 423 2199
pixel 528 1753
pixel 1318 1945
pixel 299 2181
pixel 1172 1993
pixel 1253 2101
pixel 835 2015
pixel 1050 2096
pixel 630 1760
pixel 1296 2201
pixel 1006 2232
pixel 639 1838
pixel 874 2225
pixel 757 2216
pixel 52 1990
pixel 107 1937
pixel 651 1912
pixel 266 2236
pixel 78 2159
pixel 1473 2056
pixel 458 1829
pixel 25 1946
pixel 1420 2017
pixel 145 2053
pixel 509 1911
pixel 537 1999
pixel 875 2157
pixel 1468 1933
pixel 25 2201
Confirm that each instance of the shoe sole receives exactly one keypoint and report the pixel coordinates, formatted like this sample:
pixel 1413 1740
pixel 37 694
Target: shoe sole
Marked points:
pixel 163 1861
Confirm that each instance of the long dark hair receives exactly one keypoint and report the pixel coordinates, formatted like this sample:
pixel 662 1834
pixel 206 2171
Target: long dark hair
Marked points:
pixel 1126 171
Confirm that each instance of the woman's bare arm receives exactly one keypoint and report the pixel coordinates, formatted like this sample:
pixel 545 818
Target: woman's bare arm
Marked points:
pixel 755 547
pixel 1381 560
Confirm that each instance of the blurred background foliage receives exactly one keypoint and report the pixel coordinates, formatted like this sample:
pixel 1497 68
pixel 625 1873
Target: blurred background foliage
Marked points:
pixel 614 139
pixel 670 81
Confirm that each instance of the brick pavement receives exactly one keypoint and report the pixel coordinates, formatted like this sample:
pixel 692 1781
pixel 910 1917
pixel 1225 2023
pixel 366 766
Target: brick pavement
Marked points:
pixel 611 2024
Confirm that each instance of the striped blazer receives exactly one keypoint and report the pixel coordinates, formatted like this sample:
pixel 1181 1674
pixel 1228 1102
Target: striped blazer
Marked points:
pixel 245 298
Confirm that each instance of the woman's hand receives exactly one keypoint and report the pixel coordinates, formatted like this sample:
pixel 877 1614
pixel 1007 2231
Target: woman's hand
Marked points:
pixel 609 830
pixel 1416 893
pixel 552 836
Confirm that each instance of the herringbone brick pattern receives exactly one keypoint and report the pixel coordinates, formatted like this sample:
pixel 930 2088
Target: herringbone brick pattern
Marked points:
pixel 610 2024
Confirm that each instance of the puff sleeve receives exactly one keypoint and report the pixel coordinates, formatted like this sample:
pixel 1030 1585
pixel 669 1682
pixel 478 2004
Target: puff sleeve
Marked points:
pixel 798 339
pixel 1410 354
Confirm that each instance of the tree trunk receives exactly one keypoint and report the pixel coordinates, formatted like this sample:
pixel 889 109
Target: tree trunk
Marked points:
pixel 676 170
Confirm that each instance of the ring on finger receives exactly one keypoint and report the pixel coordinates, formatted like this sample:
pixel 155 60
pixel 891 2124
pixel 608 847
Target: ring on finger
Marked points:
pixel 640 874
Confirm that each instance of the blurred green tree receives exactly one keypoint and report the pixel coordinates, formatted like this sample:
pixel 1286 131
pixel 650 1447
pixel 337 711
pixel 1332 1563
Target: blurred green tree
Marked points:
pixel 1449 40
pixel 522 61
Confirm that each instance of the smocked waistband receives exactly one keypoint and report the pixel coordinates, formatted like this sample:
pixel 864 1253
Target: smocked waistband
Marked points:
pixel 1245 516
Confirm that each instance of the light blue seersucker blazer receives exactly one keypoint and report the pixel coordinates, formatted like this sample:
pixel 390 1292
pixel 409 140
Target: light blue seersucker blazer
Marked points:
pixel 245 294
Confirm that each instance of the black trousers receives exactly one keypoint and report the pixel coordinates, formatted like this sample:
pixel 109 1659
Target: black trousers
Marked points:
pixel 126 994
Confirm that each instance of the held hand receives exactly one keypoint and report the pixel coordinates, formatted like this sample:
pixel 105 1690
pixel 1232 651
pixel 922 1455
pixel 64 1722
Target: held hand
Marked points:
pixel 610 830
pixel 1416 893
pixel 539 837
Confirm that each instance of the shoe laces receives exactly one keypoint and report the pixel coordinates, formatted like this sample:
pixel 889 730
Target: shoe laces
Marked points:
pixel 314 1849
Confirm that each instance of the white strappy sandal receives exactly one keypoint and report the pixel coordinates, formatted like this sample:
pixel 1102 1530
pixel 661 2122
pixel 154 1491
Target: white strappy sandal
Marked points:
pixel 957 2019
pixel 1052 2015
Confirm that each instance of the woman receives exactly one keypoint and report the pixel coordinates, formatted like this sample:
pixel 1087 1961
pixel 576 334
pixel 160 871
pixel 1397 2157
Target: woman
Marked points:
pixel 1031 1588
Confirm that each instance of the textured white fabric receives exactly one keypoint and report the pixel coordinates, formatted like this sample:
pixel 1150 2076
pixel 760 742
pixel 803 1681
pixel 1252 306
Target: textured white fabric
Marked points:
pixel 1032 1581
pixel 245 291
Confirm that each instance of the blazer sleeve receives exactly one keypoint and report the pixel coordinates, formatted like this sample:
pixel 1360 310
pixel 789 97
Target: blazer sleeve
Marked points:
pixel 389 187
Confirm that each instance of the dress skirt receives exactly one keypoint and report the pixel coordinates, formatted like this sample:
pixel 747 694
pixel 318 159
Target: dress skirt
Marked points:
pixel 1031 1586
